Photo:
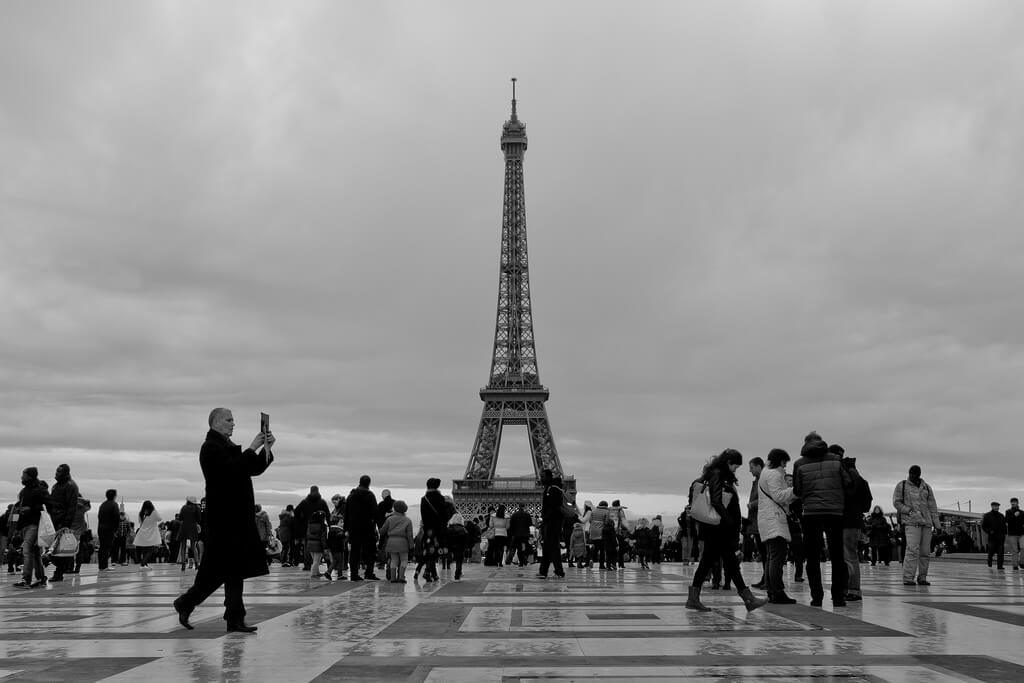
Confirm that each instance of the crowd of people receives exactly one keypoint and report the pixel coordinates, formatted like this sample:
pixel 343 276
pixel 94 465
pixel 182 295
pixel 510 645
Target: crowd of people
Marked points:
pixel 821 511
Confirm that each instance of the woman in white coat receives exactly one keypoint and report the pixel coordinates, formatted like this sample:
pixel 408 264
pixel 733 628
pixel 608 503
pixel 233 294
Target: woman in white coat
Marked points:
pixel 773 522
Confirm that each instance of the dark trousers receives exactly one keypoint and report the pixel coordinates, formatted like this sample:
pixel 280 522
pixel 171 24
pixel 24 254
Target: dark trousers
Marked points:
pixel 364 554
pixel 119 550
pixel 207 581
pixel 777 549
pixel 831 526
pixel 597 553
pixel 106 546
pixel 720 544
pixel 996 546
pixel 880 554
pixel 552 550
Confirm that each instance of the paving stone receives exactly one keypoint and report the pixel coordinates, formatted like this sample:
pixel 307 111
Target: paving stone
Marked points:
pixel 505 625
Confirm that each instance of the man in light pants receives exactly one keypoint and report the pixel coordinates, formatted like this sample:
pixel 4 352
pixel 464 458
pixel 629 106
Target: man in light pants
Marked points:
pixel 1014 530
pixel 919 514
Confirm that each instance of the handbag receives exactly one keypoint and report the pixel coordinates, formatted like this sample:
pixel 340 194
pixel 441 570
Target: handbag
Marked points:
pixel 46 533
pixel 701 508
pixel 65 544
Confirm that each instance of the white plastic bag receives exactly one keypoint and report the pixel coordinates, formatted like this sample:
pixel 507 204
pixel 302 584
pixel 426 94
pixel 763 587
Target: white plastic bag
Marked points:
pixel 44 539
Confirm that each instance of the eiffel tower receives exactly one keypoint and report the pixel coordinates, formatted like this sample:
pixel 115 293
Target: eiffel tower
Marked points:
pixel 514 394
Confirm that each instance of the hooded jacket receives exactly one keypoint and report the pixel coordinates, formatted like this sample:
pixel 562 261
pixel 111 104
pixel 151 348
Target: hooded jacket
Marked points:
pixel 34 496
pixel 819 480
pixel 915 503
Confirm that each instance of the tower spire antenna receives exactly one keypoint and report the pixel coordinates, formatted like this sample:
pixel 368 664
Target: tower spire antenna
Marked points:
pixel 513 98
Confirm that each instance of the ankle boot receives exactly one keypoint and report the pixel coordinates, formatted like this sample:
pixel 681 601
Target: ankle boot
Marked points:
pixel 750 601
pixel 693 599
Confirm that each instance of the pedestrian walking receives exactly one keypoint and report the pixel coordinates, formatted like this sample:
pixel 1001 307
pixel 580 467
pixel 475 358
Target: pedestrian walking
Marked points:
pixel 233 550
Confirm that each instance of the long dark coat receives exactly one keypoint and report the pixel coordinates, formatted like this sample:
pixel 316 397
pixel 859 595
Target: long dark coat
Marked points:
pixel 233 546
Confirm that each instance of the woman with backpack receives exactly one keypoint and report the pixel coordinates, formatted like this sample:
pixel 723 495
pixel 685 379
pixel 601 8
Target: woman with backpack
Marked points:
pixel 721 540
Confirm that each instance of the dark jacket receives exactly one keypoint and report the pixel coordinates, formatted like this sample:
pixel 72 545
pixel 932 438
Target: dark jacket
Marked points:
pixel 818 480
pixel 519 524
pixel 456 538
pixel 35 496
pixel 642 536
pixel 304 513
pixel 189 529
pixel 233 547
pixel 360 509
pixel 385 506
pixel 433 513
pixel 1015 522
pixel 993 523
pixel 727 506
pixel 551 506
pixel 858 502
pixel 108 516
pixel 879 531
pixel 63 503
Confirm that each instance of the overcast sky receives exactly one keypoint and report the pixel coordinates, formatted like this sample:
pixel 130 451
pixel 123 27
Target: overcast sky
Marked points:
pixel 746 220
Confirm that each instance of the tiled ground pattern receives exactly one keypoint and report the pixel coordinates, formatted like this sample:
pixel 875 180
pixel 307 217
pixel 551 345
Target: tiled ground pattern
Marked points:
pixel 501 625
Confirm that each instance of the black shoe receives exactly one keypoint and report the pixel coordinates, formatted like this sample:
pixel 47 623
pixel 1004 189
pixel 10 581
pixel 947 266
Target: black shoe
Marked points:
pixel 798 579
pixel 851 597
pixel 560 576
pixel 816 602
pixel 372 577
pixel 356 577
pixel 782 599
pixel 183 614
pixel 39 584
pixel 839 603
pixel 542 576
pixel 57 577
pixel 758 586
pixel 923 582
pixel 909 583
pixel 240 627
pixel 23 584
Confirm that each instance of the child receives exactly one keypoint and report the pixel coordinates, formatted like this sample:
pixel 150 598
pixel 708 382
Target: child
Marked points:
pixel 396 539
pixel 611 543
pixel 427 557
pixel 457 539
pixel 578 546
pixel 642 536
pixel 337 544
pixel 316 542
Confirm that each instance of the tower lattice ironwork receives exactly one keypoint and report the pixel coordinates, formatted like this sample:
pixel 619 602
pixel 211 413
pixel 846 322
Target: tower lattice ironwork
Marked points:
pixel 514 394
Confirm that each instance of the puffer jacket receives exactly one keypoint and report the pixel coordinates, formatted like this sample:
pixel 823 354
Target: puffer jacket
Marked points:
pixel 771 518
pixel 916 504
pixel 879 531
pixel 819 480
pixel 597 518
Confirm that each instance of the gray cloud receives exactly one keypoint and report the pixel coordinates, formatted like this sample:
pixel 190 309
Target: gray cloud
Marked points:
pixel 745 222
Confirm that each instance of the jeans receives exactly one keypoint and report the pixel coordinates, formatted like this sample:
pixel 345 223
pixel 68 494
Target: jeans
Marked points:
pixel 915 562
pixel 851 553
pixel 31 554
pixel 777 549
pixel 832 528
pixel 1013 550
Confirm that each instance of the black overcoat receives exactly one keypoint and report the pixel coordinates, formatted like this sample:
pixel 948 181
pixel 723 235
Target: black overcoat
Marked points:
pixel 233 546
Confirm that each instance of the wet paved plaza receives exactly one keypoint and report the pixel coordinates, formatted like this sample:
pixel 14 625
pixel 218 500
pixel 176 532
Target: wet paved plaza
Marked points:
pixel 502 625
